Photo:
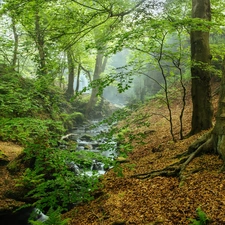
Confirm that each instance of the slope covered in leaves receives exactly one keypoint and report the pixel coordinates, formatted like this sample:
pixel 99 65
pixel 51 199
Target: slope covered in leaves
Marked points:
pixel 160 200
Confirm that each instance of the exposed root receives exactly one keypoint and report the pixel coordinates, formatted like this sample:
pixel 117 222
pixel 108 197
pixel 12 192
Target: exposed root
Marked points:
pixel 166 172
pixel 169 171
pixel 202 145
pixel 199 142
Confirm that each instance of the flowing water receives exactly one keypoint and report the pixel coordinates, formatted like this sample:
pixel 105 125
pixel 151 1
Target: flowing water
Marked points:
pixel 88 138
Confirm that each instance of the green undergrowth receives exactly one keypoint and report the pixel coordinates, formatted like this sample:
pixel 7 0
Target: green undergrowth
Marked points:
pixel 54 217
pixel 202 218
pixel 29 130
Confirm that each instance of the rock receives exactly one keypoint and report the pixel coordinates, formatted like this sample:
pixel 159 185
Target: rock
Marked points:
pixel 88 147
pixel 122 160
pixel 86 137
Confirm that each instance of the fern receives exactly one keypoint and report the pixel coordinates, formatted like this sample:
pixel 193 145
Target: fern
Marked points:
pixel 203 219
pixel 54 218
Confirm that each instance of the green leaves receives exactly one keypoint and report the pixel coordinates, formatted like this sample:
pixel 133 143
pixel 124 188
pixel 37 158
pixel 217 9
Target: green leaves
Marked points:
pixel 54 217
pixel 29 130
pixel 61 187
pixel 30 179
pixel 202 219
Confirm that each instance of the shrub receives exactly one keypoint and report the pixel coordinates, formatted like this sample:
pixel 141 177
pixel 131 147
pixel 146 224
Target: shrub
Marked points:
pixel 29 130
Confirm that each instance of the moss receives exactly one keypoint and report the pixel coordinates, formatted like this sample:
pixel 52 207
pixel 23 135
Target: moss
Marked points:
pixel 69 120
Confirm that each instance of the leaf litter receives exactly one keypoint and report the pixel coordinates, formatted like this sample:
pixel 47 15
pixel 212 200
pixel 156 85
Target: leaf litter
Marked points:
pixel 160 200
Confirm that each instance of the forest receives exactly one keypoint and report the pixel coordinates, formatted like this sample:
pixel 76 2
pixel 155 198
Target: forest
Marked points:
pixel 112 112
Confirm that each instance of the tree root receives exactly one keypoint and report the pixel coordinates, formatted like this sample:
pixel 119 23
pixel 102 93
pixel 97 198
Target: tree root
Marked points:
pixel 202 145
pixel 169 171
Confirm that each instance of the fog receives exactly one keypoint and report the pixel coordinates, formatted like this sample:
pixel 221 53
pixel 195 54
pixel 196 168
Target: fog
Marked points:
pixel 141 87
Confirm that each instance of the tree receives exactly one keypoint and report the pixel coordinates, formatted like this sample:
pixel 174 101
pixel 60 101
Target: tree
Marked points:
pixel 71 68
pixel 218 133
pixel 100 65
pixel 212 141
pixel 200 55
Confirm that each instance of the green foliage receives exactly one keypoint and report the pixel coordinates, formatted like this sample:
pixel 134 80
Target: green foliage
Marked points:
pixel 54 219
pixel 24 97
pixel 202 218
pixel 13 166
pixel 80 101
pixel 69 120
pixel 30 179
pixel 14 95
pixel 118 170
pixel 85 159
pixel 52 182
pixel 29 130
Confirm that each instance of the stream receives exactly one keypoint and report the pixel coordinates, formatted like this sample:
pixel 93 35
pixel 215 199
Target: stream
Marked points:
pixel 87 138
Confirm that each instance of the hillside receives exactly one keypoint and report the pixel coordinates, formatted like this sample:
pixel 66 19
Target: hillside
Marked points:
pixel 145 201
pixel 160 200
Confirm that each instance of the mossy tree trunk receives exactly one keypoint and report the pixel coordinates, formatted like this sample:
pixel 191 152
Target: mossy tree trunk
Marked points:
pixel 200 56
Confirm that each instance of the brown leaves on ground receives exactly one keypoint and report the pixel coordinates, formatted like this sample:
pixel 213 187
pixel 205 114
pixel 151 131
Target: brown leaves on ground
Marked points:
pixel 7 182
pixel 160 200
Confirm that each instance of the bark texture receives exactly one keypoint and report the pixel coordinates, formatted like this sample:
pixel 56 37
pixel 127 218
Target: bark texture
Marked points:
pixel 200 56
pixel 219 128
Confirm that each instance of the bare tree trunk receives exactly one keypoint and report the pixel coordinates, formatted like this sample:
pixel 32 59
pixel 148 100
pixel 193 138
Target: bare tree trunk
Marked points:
pixel 78 77
pixel 200 56
pixel 219 128
pixel 215 140
pixel 40 42
pixel 100 65
pixel 71 67
pixel 16 44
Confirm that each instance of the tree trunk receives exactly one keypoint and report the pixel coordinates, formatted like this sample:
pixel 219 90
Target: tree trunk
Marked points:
pixel 200 56
pixel 71 67
pixel 40 42
pixel 219 128
pixel 100 65
pixel 78 77
pixel 16 44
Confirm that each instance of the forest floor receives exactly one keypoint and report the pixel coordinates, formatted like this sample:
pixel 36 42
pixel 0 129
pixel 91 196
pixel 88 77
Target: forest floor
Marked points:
pixel 160 200
pixel 7 180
